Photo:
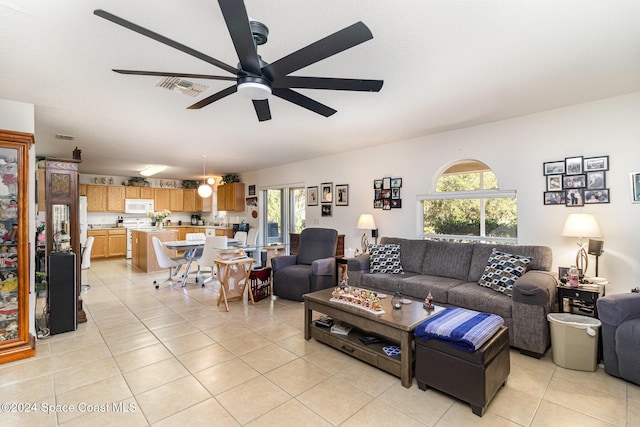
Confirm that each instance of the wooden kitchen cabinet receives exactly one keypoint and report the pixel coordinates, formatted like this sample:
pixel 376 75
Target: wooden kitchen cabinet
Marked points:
pixel 191 200
pixel 176 200
pixel 147 193
pixel 204 205
pixel 96 198
pixel 117 243
pixel 225 232
pixel 115 198
pixel 100 243
pixel 131 192
pixel 162 198
pixel 108 243
pixel 231 197
pixel 82 189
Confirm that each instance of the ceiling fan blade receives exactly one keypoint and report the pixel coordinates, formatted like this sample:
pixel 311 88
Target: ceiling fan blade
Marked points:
pixel 328 83
pixel 213 98
pixel 262 109
pixel 235 15
pixel 337 42
pixel 304 101
pixel 162 39
pixel 170 74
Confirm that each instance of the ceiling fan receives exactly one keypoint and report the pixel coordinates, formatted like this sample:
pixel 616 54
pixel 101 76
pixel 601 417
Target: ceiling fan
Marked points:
pixel 254 77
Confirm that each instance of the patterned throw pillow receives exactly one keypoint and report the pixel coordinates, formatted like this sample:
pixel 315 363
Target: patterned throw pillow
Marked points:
pixel 385 259
pixel 502 271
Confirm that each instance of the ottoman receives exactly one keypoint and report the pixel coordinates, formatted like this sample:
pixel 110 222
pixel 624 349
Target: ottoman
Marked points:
pixel 473 377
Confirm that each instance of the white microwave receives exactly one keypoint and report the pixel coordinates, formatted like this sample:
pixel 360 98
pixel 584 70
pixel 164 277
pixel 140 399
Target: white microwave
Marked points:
pixel 138 206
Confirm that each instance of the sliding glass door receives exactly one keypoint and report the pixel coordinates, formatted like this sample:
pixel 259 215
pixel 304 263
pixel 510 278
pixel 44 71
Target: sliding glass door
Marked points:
pixel 284 213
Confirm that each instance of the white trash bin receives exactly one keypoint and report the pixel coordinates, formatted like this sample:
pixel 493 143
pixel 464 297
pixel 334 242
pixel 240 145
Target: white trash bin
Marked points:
pixel 574 341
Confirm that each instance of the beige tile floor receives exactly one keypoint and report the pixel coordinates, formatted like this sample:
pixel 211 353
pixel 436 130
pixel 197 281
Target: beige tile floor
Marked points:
pixel 171 357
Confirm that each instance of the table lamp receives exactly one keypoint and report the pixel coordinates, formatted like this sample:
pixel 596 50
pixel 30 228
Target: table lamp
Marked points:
pixel 366 222
pixel 581 225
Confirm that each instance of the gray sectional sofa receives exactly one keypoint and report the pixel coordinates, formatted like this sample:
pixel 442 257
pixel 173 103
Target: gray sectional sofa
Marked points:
pixel 451 271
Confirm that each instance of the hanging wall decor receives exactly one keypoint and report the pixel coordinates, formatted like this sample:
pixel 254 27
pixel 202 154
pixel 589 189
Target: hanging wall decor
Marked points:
pixel 576 181
pixel 386 193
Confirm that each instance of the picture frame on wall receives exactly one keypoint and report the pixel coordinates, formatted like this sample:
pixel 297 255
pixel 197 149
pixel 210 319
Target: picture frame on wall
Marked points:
pixel 327 210
pixel 555 198
pixel 326 190
pixel 574 181
pixel 395 193
pixel 635 187
pixel 573 165
pixel 553 168
pixel 377 204
pixel 342 195
pixel 596 180
pixel 377 184
pixel 396 182
pixel 574 197
pixel 596 196
pixel 554 182
pixel 396 203
pixel 600 163
pixel 251 201
pixel 312 196
pixel 386 183
pixel 251 190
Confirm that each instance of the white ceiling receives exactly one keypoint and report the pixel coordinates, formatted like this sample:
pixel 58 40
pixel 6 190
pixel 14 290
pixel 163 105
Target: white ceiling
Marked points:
pixel 446 64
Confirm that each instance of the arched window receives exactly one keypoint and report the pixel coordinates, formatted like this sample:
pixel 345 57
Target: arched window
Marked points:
pixel 468 205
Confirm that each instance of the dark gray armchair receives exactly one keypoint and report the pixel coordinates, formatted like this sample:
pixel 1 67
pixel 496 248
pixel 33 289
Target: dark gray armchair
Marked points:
pixel 620 317
pixel 312 269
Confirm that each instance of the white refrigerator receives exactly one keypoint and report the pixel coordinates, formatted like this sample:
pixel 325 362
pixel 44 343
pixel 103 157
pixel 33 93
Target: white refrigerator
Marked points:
pixel 82 219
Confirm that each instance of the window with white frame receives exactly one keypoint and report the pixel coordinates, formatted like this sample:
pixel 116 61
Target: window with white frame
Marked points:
pixel 469 206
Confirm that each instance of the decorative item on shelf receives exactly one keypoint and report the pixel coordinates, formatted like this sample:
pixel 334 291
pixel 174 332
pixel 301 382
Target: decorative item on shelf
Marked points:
pixel 396 301
pixel 204 190
pixel 158 217
pixel 189 183
pixel 230 178
pixel 366 222
pixel 77 154
pixel 581 225
pixel 137 181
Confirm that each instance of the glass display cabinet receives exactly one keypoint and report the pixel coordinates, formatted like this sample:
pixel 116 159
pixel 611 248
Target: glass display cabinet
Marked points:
pixel 15 340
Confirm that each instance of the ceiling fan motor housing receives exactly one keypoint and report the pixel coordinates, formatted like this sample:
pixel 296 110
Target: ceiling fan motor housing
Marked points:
pixel 260 32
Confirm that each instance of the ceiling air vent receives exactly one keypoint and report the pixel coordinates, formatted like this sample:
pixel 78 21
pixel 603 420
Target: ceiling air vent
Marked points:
pixel 65 137
pixel 177 84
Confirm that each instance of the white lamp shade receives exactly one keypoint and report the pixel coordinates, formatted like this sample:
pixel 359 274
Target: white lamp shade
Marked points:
pixel 205 191
pixel 366 222
pixel 581 225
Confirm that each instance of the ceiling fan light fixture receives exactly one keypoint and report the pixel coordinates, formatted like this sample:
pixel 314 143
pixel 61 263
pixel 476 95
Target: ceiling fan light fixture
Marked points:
pixel 152 170
pixel 254 90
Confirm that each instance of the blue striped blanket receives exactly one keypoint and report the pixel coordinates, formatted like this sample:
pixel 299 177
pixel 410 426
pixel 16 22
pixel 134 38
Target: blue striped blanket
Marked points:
pixel 465 329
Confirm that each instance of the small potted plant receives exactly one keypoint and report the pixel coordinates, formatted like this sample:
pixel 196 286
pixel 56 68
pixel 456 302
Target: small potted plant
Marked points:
pixel 230 178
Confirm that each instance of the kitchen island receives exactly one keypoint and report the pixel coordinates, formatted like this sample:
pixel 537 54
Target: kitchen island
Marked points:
pixel 143 255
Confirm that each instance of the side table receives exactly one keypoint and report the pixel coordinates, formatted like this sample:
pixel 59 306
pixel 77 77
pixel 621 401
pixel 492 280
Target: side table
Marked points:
pixel 581 298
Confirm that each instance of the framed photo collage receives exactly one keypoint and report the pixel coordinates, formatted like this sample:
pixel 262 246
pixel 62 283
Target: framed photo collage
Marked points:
pixel 576 181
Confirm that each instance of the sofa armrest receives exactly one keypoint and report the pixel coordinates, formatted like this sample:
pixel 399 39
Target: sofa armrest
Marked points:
pixel 536 287
pixel 359 263
pixel 282 261
pixel 618 308
pixel 324 267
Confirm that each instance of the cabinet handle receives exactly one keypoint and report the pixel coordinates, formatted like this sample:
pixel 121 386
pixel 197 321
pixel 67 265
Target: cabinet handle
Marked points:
pixel 349 349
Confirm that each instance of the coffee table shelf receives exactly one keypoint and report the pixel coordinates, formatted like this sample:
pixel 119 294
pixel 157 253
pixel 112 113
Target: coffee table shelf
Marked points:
pixel 351 345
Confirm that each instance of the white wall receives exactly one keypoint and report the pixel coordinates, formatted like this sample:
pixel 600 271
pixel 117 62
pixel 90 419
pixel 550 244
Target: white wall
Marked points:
pixel 515 149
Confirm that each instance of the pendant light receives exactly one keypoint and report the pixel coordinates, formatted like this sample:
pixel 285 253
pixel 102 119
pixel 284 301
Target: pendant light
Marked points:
pixel 204 190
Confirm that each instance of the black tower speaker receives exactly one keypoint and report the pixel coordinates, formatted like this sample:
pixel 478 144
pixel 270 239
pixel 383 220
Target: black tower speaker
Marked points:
pixel 62 292
pixel 595 247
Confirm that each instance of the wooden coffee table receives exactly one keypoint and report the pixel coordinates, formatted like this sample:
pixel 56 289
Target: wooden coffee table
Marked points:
pixel 394 327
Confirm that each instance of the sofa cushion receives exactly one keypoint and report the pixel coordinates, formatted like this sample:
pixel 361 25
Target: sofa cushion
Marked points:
pixel 447 259
pixel 419 286
pixel 412 252
pixel 385 259
pixel 502 271
pixel 542 257
pixel 470 295
pixel 387 283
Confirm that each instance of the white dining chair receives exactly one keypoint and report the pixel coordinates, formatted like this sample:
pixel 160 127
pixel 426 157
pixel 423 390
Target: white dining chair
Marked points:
pixel 86 261
pixel 165 261
pixel 241 237
pixel 252 242
pixel 212 247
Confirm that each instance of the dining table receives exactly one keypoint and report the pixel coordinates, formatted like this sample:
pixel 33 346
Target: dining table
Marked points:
pixel 190 248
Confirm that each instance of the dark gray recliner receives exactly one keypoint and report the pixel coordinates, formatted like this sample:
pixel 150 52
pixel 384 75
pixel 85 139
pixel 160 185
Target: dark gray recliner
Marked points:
pixel 312 269
pixel 620 317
